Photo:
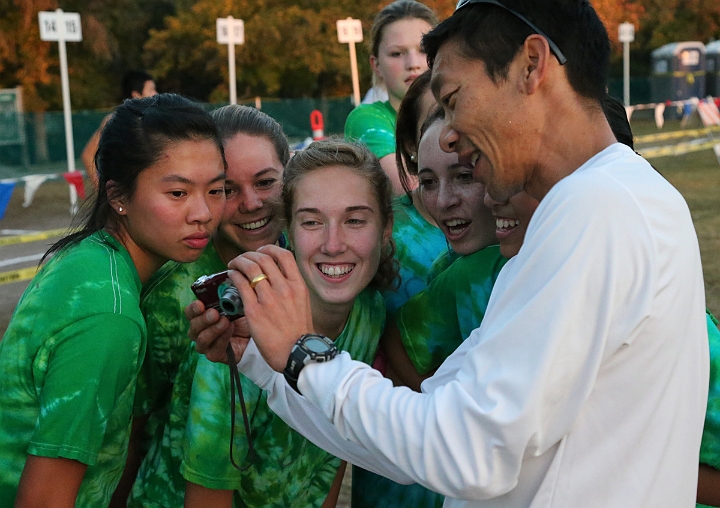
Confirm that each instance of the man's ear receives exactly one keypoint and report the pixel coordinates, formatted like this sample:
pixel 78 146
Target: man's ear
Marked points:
pixel 536 57
pixel 135 95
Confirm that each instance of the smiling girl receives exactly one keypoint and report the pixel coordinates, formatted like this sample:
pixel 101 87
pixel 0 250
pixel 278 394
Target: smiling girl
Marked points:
pixel 338 206
pixel 72 351
pixel 397 59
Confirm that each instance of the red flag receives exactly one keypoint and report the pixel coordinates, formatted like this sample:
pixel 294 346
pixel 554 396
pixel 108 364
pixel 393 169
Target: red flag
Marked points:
pixel 75 178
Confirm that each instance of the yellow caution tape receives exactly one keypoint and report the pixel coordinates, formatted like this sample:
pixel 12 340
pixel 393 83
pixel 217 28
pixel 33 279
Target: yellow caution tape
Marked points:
pixel 694 133
pixel 18 275
pixel 679 149
pixel 33 237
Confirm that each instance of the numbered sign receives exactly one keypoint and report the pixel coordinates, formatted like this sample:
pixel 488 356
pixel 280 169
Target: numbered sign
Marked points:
pixel 626 32
pixel 223 30
pixel 56 26
pixel 349 30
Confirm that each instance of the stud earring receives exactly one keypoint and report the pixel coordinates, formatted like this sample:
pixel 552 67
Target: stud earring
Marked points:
pixel 120 209
pixel 413 158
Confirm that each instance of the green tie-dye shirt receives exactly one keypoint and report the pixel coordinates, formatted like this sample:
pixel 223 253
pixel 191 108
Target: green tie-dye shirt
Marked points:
pixel 374 126
pixel 710 447
pixel 166 379
pixel 418 244
pixel 288 470
pixel 434 322
pixel 69 360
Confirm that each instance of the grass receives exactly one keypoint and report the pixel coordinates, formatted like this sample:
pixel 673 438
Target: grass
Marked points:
pixel 697 177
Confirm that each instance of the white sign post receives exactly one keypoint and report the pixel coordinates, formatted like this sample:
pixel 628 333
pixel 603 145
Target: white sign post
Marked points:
pixel 350 32
pixel 626 34
pixel 231 31
pixel 63 26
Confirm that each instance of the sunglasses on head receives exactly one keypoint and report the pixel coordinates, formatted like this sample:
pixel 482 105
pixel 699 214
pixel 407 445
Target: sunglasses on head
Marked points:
pixel 553 47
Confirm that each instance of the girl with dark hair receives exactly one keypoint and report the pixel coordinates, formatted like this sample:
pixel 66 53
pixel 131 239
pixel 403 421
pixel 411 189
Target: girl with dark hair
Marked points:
pixel 71 354
pixel 397 59
pixel 338 208
pixel 257 151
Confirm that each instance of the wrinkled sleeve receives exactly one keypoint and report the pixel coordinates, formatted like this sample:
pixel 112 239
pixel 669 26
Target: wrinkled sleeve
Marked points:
pixel 516 385
pixel 91 370
pixel 368 125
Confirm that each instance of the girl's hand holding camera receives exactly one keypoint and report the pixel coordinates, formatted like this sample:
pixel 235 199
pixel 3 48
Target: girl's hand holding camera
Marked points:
pixel 277 309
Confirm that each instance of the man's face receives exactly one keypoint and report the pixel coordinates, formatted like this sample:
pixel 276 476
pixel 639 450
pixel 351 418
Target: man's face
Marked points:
pixel 486 123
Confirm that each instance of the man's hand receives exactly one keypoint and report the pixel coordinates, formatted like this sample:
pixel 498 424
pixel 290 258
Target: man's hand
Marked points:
pixel 277 308
pixel 212 332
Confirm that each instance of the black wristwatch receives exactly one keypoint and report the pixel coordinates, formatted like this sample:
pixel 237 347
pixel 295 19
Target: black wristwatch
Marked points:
pixel 310 348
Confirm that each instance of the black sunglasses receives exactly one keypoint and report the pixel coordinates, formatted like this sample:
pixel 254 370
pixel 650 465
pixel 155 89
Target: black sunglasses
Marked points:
pixel 553 47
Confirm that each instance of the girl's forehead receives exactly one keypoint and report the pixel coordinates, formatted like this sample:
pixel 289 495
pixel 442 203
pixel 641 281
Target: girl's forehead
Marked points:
pixel 334 186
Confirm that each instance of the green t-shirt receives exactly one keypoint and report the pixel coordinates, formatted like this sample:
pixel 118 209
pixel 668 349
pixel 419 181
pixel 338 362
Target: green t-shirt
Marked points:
pixel 434 322
pixel 418 243
pixel 288 470
pixel 166 379
pixel 69 360
pixel 710 446
pixel 374 126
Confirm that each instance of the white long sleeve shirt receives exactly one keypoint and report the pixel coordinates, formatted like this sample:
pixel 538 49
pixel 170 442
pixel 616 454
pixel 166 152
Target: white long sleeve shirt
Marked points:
pixel 585 385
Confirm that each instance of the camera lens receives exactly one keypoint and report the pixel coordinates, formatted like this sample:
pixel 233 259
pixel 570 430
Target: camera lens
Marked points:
pixel 230 302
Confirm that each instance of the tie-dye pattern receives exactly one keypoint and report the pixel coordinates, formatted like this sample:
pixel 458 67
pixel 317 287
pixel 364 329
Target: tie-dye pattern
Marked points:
pixel 710 446
pixel 374 126
pixel 434 322
pixel 166 379
pixel 288 470
pixel 418 244
pixel 69 360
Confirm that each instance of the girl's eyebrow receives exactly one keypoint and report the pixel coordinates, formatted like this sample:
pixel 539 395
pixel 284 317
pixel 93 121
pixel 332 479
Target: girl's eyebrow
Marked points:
pixel 348 209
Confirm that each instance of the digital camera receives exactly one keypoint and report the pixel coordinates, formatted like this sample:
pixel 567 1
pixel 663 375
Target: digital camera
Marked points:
pixel 217 291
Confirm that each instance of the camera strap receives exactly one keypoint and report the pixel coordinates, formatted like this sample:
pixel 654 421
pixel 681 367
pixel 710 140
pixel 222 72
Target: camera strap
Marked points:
pixel 236 387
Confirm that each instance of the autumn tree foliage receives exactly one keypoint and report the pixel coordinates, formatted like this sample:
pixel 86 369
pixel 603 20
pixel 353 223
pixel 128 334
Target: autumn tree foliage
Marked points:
pixel 290 49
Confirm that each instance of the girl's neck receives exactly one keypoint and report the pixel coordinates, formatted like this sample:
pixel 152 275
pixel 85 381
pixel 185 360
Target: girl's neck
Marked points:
pixel 145 263
pixel 329 319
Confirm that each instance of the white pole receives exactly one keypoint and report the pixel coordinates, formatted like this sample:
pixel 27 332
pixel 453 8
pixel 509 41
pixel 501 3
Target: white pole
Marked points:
pixel 626 73
pixel 66 98
pixel 231 60
pixel 354 70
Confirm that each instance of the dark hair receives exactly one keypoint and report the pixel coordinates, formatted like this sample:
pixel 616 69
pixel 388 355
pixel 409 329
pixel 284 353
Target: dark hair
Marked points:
pixel 406 130
pixel 134 81
pixel 493 35
pixel 356 157
pixel 618 120
pixel 234 119
pixel 133 139
pixel 399 9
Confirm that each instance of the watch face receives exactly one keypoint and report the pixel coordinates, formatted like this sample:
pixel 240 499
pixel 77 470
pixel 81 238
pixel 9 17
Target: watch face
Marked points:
pixel 315 345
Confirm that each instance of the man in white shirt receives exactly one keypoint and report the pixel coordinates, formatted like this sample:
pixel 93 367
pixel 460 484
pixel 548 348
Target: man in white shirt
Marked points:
pixel 586 383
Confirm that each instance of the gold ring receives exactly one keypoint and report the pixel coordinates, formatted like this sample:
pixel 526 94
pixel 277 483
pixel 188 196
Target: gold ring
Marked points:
pixel 257 280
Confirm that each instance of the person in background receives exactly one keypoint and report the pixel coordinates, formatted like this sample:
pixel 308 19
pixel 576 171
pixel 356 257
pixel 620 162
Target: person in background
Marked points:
pixel 418 239
pixel 396 58
pixel 135 85
pixel 338 206
pixel 256 150
pixel 594 346
pixel 72 351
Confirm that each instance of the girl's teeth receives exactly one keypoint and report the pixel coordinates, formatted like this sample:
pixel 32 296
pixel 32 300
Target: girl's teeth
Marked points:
pixel 255 225
pixel 335 271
